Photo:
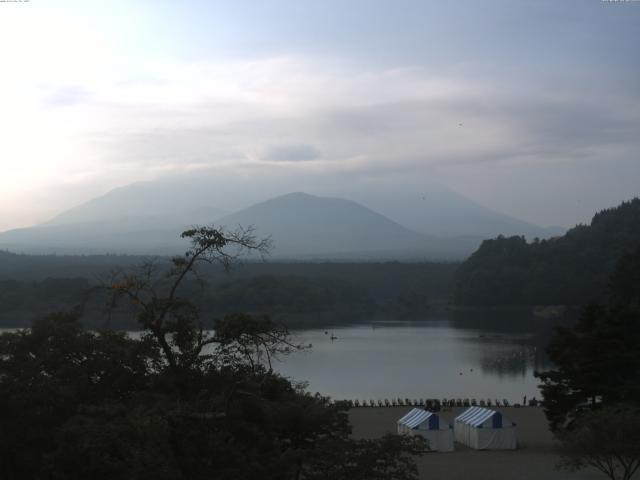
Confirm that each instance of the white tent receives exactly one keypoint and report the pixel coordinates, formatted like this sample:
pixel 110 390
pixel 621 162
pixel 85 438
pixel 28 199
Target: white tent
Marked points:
pixel 439 434
pixel 484 429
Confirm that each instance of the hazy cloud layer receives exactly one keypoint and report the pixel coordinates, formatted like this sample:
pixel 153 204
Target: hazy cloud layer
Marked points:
pixel 292 153
pixel 540 122
pixel 65 95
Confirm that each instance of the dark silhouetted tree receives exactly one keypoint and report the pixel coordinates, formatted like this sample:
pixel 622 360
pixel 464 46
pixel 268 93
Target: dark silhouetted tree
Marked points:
pixel 607 439
pixel 180 402
pixel 597 361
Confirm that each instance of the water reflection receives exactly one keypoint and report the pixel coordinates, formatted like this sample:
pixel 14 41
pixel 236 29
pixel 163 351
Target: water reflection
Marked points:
pixel 512 343
pixel 480 355
pixel 458 356
pixel 515 362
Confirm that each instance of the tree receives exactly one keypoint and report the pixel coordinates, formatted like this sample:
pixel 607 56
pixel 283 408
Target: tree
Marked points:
pixel 170 319
pixel 607 439
pixel 391 457
pixel 624 284
pixel 49 372
pixel 569 270
pixel 178 403
pixel 598 359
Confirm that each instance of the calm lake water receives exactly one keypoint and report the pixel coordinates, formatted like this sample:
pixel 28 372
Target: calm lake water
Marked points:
pixel 474 357
pixel 432 359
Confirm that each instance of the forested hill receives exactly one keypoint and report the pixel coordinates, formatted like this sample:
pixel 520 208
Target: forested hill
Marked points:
pixel 568 270
pixel 298 294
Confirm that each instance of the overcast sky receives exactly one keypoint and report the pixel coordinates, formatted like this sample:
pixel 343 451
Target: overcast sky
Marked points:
pixel 529 107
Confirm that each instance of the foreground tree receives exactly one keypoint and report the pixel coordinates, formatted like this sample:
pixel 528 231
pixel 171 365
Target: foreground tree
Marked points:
pixel 598 360
pixel 166 316
pixel 344 459
pixel 592 397
pixel 607 439
pixel 179 402
pixel 49 373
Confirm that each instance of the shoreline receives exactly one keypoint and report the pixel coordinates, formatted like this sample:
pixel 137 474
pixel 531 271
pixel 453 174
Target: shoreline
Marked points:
pixel 535 458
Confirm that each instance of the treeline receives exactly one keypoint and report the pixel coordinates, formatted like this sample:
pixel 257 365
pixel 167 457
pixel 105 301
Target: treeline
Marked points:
pixel 21 301
pixel 175 403
pixel 37 267
pixel 568 270
pixel 298 294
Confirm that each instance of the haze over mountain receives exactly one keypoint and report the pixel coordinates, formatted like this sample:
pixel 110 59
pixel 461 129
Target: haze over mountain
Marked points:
pixel 147 217
pixel 437 210
pixel 172 203
pixel 304 225
pixel 301 226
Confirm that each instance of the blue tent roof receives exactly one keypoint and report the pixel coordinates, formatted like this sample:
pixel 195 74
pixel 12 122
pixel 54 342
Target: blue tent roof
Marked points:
pixel 417 417
pixel 476 416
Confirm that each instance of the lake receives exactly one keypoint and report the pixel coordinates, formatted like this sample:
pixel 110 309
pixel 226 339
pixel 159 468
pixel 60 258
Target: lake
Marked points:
pixel 427 359
pixel 473 356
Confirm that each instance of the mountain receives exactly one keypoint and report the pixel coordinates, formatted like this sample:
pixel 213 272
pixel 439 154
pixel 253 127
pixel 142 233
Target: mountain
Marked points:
pixel 163 202
pixel 306 226
pixel 141 218
pixel 129 234
pixel 436 210
pixel 302 226
pixel 146 218
pixel 427 207
pixel 568 270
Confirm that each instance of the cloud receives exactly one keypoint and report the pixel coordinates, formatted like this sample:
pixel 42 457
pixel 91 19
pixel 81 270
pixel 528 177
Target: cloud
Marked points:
pixel 417 127
pixel 291 111
pixel 292 153
pixel 310 120
pixel 66 95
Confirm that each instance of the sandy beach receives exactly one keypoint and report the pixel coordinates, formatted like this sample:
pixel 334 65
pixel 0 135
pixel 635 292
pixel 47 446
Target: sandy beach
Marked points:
pixel 535 458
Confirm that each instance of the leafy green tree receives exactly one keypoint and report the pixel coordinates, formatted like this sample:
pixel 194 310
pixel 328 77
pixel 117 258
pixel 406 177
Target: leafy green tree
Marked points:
pixel 389 457
pixel 598 359
pixel 178 403
pixel 624 284
pixel 568 270
pixel 113 441
pixel 607 439
pixel 49 372
pixel 170 319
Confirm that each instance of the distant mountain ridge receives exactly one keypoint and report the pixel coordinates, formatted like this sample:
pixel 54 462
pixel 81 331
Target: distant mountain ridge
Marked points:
pixel 144 199
pixel 438 211
pixel 304 225
pixel 428 208
pixel 147 218
pixel 568 270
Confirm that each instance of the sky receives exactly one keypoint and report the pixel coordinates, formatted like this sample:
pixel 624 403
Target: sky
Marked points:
pixel 528 107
